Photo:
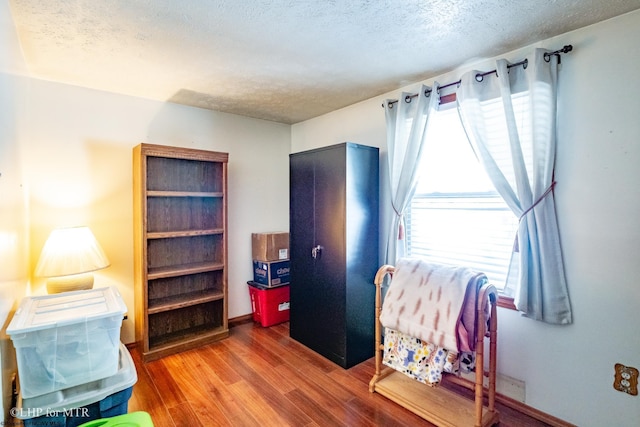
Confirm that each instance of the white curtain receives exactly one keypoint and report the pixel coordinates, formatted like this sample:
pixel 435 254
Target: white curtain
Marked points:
pixel 525 182
pixel 407 121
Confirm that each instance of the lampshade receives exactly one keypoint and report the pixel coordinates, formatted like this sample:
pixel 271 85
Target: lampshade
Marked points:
pixel 66 258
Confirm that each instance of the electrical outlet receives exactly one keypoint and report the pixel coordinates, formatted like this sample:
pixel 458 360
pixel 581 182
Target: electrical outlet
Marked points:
pixel 626 379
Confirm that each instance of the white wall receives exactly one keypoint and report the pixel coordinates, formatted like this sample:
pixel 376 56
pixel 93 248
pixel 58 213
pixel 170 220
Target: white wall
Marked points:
pixel 14 220
pixel 14 261
pixel 77 146
pixel 13 204
pixel 568 370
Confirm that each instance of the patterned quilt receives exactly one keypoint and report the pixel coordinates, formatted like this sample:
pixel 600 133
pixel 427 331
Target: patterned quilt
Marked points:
pixel 422 361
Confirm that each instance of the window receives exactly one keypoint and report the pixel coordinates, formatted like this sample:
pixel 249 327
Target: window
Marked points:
pixel 456 216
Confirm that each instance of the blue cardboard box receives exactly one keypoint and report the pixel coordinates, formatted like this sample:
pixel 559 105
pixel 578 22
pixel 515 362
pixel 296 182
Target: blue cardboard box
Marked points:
pixel 273 273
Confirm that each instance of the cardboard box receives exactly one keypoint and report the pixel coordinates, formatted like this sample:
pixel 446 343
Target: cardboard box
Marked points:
pixel 270 305
pixel 270 246
pixel 271 273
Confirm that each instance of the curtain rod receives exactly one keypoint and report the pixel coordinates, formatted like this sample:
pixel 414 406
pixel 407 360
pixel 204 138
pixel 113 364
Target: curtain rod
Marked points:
pixel 480 76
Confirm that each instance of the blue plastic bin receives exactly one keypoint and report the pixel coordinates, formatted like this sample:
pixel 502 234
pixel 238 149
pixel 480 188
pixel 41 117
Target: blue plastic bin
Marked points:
pixel 108 397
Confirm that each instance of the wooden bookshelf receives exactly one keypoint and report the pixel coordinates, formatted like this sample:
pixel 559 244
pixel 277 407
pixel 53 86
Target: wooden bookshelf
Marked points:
pixel 180 248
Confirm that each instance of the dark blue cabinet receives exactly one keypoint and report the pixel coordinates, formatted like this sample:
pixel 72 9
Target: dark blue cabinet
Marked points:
pixel 334 198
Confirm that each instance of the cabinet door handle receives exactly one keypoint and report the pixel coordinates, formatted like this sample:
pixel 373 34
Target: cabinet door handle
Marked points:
pixel 316 251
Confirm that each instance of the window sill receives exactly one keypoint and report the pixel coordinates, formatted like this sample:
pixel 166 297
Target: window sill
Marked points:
pixel 506 302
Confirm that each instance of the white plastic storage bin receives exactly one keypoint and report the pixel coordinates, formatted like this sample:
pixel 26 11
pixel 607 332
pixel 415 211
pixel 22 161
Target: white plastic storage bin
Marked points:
pixel 66 339
pixel 73 406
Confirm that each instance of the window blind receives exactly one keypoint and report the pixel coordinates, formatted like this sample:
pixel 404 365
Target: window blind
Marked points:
pixel 456 216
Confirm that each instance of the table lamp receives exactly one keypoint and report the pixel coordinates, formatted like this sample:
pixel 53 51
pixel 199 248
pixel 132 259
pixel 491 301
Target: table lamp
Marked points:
pixel 68 258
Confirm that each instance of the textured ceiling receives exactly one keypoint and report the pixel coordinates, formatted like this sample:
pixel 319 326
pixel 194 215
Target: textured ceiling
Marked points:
pixel 280 60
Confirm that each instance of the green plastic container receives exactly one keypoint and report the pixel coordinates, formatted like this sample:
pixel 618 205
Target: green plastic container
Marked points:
pixel 134 419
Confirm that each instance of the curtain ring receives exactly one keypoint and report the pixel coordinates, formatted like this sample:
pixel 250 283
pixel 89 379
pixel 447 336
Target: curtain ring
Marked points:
pixel 526 63
pixel 427 93
pixel 479 77
pixel 407 99
pixel 547 57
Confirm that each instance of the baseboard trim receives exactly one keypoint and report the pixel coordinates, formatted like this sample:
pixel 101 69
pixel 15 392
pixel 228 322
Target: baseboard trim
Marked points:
pixel 240 320
pixel 519 406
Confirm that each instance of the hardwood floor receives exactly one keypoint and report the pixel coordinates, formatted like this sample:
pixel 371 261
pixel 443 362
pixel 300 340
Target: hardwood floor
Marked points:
pixel 260 376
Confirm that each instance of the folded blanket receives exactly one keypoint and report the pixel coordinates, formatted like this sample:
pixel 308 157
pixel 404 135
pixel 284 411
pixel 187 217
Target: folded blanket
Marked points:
pixel 427 301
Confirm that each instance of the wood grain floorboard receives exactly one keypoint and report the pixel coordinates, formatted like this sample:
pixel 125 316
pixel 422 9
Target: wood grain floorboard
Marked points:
pixel 261 377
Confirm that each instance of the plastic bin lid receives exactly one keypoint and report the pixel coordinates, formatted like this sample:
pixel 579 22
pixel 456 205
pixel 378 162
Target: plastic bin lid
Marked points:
pixel 51 311
pixel 81 395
